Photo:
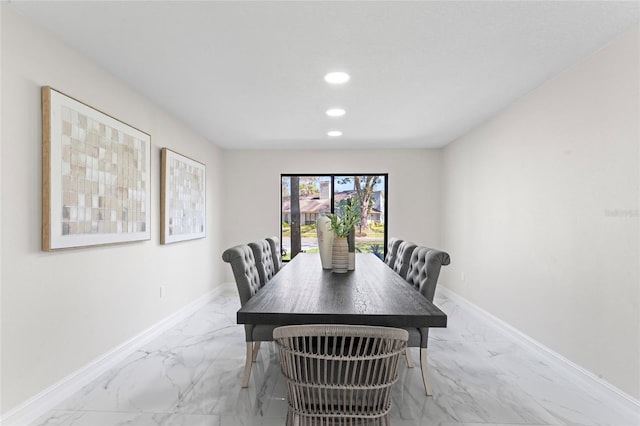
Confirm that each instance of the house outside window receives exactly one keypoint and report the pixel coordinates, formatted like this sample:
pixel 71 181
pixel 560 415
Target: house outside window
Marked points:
pixel 305 198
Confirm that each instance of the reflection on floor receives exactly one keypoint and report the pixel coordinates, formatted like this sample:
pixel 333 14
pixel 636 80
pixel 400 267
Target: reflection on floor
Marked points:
pixel 481 376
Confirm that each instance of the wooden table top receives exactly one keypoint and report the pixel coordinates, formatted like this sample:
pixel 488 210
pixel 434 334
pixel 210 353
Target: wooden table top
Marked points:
pixel 373 294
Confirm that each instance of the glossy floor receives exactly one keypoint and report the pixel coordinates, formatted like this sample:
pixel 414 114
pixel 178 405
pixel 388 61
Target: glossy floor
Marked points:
pixel 481 375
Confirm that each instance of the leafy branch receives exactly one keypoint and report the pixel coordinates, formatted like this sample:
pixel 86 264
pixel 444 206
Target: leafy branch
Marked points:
pixel 342 225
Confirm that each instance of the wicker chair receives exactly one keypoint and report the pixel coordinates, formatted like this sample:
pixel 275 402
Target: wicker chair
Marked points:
pixel 424 270
pixel 339 374
pixel 248 283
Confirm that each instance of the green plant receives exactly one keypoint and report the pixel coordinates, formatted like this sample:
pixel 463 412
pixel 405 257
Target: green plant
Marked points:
pixel 342 225
pixel 377 250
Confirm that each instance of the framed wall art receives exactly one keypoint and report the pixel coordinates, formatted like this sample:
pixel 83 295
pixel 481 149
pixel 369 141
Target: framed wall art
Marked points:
pixel 183 201
pixel 95 176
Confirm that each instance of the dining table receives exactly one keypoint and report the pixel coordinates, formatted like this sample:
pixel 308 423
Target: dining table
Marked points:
pixel 302 292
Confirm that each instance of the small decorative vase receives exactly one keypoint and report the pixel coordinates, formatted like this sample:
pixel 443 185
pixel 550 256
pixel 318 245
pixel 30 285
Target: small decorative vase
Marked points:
pixel 340 257
pixel 325 241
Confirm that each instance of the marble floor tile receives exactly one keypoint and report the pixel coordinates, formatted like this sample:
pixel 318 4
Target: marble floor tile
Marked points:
pixel 97 418
pixel 481 376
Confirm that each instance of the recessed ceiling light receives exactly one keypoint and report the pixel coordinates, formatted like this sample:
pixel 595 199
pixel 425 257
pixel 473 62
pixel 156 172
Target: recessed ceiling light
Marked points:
pixel 336 112
pixel 334 133
pixel 338 77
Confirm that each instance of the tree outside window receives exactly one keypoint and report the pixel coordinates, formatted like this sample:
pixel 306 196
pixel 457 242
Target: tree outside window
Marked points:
pixel 307 197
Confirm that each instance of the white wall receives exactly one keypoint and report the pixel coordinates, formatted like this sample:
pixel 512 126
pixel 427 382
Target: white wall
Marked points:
pixel 1 236
pixel 540 212
pixel 61 310
pixel 252 182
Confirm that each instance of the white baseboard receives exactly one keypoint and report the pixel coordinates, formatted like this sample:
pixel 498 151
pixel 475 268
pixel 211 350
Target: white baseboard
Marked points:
pixel 623 397
pixel 54 395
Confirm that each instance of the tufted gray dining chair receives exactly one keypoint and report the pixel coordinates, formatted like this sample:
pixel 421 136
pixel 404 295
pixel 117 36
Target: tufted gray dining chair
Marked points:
pixel 264 260
pixel 274 243
pixel 248 283
pixel 392 249
pixel 424 270
pixel 403 258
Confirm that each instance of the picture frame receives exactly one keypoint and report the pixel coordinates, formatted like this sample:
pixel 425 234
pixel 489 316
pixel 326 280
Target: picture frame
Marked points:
pixel 183 198
pixel 96 176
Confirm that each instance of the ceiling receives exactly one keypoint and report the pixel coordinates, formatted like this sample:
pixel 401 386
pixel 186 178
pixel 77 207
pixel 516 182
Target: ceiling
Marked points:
pixel 250 74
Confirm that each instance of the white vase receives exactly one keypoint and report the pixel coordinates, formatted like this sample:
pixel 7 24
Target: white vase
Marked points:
pixel 325 241
pixel 340 255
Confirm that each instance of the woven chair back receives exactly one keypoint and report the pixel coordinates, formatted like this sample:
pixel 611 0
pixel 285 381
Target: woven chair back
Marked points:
pixel 339 374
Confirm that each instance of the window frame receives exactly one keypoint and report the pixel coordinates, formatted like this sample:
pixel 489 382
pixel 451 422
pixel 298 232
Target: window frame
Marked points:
pixel 332 177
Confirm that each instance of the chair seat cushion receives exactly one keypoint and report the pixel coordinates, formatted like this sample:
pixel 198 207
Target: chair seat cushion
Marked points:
pixel 262 333
pixel 418 337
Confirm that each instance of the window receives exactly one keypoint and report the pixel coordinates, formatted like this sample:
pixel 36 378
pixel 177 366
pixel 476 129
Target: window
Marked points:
pixel 304 198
